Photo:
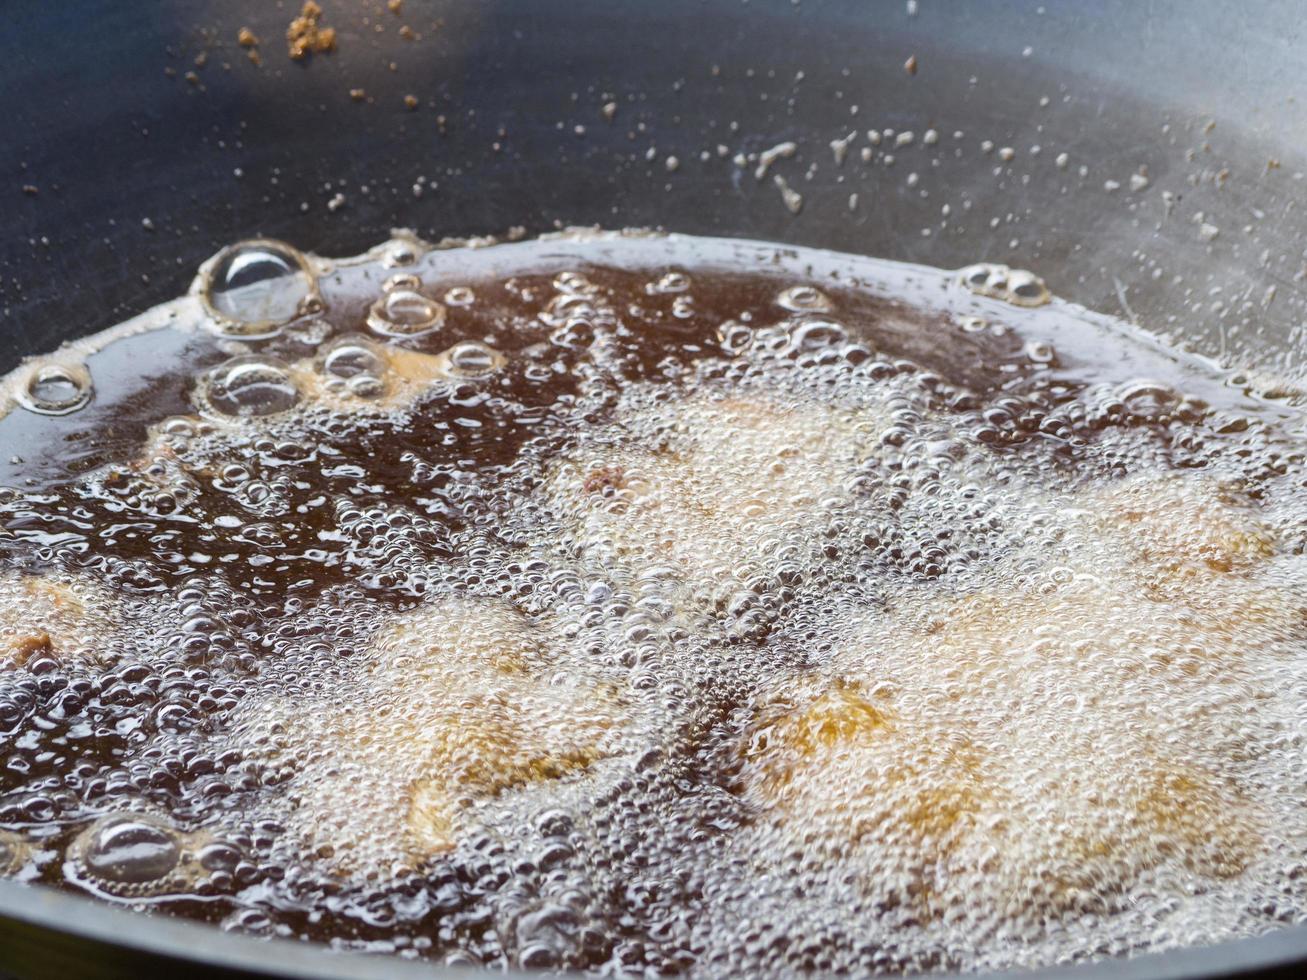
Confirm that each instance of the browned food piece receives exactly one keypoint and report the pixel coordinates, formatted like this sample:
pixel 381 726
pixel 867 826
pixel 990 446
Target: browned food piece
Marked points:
pixel 938 813
pixel 708 485
pixel 306 36
pixel 51 613
pixel 453 704
pixel 1185 529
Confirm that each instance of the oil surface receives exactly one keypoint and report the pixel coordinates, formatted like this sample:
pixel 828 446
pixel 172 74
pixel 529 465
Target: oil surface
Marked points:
pixel 648 604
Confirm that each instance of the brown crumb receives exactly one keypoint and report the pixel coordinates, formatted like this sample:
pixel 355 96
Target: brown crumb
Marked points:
pixel 305 37
pixel 406 33
pixel 31 190
pixel 253 55
pixel 411 102
pixel 246 38
pixel 191 77
pixel 170 71
pixel 201 59
pixel 604 478
pixel 25 648
pixel 910 66
pixel 395 6
pixel 357 94
pixel 1272 164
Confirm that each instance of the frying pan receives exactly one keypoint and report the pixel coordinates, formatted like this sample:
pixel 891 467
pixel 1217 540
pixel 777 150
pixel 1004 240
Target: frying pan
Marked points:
pixel 1143 157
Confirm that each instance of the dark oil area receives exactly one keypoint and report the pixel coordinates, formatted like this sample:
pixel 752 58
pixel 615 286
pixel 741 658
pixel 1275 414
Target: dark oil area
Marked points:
pixel 239 559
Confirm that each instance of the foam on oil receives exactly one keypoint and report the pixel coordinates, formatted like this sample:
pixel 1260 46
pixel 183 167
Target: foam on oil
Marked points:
pixel 644 604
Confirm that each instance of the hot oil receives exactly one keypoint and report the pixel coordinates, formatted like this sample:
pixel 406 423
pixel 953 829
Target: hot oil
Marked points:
pixel 644 603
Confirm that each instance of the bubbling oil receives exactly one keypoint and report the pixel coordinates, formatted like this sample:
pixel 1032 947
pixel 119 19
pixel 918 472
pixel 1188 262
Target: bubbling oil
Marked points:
pixel 647 604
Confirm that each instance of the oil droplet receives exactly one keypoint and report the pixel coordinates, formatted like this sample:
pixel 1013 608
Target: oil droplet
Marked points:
pixel 254 288
pixel 460 296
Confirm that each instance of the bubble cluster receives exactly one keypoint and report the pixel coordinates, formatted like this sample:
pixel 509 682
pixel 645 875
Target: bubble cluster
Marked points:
pixel 403 311
pixel 1016 286
pixel 650 606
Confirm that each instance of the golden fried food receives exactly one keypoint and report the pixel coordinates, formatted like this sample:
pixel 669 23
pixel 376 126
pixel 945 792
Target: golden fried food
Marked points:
pixel 52 613
pixel 451 705
pixel 710 488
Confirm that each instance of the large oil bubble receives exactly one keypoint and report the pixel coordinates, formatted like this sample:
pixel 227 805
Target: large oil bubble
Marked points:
pixel 131 850
pixel 254 288
pixel 250 386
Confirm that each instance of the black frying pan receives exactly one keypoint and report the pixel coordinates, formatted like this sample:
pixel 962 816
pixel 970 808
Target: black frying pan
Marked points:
pixel 119 178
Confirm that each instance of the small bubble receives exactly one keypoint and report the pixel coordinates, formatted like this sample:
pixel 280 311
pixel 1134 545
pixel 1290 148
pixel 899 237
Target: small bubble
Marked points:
pixel 804 299
pixel 405 312
pixel 56 389
pixel 470 359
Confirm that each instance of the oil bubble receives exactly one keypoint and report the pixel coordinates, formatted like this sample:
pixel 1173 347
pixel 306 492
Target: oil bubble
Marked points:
pixel 56 389
pixel 735 337
pixel 459 296
pixel 350 356
pixel 405 312
pixel 804 299
pixel 130 849
pixel 471 359
pixel 671 282
pixel 1015 286
pixel 814 333
pixel 250 386
pixel 254 288
pixel 1040 352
